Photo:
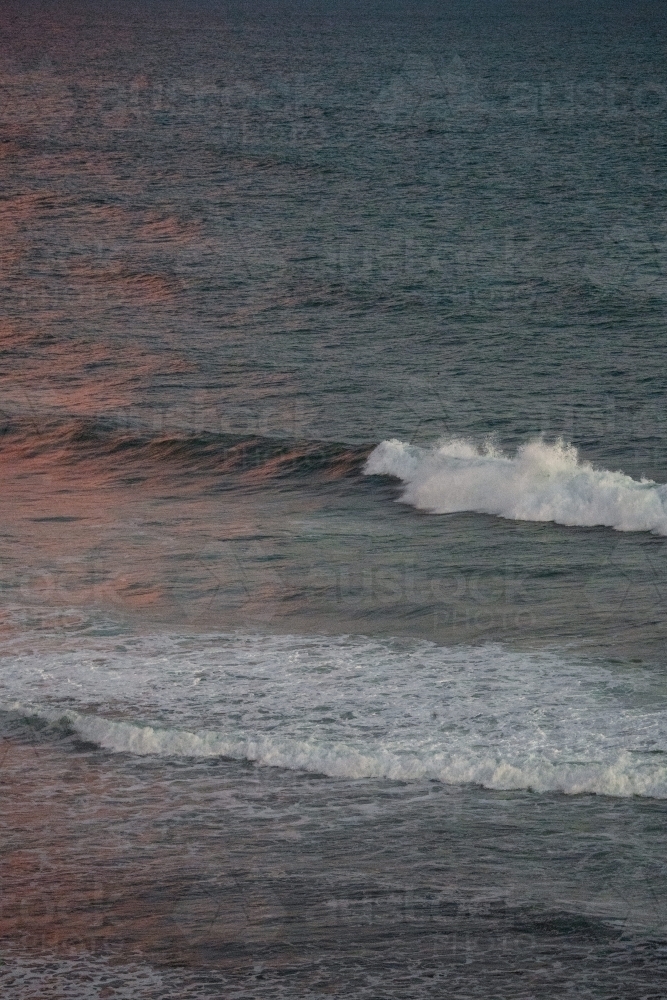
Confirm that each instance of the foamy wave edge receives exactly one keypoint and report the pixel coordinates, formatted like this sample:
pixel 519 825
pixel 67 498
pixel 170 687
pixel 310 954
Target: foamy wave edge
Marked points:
pixel 624 778
pixel 541 482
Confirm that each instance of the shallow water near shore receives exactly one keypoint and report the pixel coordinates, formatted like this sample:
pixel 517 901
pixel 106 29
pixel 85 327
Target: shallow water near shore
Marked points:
pixel 214 875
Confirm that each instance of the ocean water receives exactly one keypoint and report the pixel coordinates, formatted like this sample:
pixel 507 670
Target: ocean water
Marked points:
pixel 333 451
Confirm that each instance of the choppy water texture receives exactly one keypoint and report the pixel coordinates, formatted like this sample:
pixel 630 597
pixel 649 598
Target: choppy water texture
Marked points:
pixel 334 500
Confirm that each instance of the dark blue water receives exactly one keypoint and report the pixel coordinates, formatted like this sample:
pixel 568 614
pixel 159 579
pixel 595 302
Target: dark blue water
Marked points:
pixel 265 730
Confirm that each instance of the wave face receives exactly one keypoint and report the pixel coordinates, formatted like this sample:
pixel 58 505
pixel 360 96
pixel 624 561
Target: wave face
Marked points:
pixel 541 482
pixel 75 440
pixel 359 708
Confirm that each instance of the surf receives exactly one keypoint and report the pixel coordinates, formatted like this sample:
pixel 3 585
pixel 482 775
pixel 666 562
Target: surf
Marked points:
pixel 541 482
pixel 356 708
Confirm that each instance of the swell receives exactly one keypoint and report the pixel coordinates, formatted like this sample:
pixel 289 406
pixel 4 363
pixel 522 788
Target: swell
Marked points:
pixel 129 449
pixel 541 482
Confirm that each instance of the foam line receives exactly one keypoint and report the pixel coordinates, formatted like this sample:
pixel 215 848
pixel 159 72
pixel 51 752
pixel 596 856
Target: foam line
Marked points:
pixel 622 777
pixel 355 707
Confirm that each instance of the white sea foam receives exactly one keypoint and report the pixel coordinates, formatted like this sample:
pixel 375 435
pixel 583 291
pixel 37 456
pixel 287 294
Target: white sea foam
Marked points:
pixel 541 482
pixel 357 708
pixel 619 776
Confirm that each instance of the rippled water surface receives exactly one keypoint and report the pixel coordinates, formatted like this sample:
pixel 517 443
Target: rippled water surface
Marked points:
pixel 333 508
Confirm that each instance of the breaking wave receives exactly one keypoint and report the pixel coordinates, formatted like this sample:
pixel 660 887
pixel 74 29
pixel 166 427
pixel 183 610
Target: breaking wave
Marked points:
pixel 358 708
pixel 621 776
pixel 541 482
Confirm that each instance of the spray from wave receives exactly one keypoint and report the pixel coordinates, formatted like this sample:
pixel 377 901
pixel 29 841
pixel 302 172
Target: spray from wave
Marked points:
pixel 541 482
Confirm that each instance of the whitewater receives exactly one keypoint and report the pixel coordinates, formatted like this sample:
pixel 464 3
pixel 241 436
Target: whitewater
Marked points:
pixel 354 707
pixel 541 482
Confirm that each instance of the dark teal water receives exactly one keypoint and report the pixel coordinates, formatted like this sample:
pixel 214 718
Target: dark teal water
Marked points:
pixel 292 737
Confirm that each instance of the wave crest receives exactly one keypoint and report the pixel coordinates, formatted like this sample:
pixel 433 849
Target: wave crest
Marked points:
pixel 623 776
pixel 541 482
